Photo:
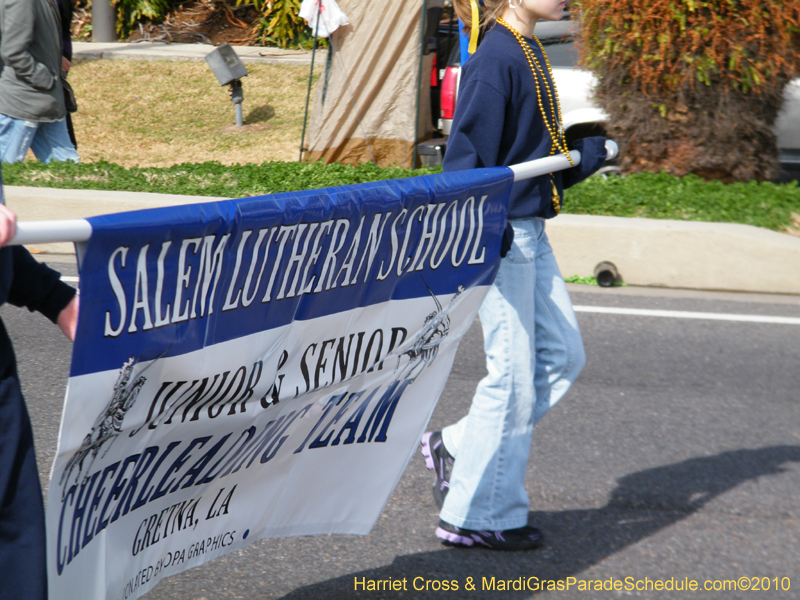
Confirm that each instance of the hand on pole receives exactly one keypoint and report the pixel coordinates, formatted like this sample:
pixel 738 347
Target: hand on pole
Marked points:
pixel 8 225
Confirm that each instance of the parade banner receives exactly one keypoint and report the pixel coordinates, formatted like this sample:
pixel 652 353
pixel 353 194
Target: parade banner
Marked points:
pixel 258 368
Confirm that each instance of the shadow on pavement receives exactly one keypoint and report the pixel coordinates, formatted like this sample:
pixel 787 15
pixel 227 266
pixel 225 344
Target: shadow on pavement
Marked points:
pixel 641 505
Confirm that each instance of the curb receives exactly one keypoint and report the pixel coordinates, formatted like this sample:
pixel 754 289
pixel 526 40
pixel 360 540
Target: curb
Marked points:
pixel 679 254
pixel 646 252
pixel 188 52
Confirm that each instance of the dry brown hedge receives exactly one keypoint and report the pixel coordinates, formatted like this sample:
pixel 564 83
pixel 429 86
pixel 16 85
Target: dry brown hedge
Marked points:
pixel 693 86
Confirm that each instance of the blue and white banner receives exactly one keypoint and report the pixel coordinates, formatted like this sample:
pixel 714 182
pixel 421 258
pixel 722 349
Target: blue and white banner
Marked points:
pixel 258 368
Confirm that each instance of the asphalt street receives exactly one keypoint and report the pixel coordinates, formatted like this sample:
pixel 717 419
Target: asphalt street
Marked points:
pixel 676 456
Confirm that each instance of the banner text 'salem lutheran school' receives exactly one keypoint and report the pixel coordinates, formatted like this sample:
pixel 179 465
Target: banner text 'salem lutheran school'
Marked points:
pixel 258 368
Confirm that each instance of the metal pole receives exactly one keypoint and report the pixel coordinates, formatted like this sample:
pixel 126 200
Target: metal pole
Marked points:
pixel 104 21
pixel 449 36
pixel 422 42
pixel 237 97
pixel 310 77
pixel 80 230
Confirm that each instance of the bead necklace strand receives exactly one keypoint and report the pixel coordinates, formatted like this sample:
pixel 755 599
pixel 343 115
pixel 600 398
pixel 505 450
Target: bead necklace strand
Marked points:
pixel 555 129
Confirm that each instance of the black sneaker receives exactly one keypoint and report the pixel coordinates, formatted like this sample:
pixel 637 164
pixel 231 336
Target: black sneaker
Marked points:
pixel 439 460
pixel 524 538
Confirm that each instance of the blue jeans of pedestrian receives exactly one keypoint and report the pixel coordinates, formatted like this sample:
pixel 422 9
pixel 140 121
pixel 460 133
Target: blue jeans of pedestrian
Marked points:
pixel 49 141
pixel 534 352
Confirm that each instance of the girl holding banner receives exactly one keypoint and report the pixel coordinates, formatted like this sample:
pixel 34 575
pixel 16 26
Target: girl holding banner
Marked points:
pixel 508 113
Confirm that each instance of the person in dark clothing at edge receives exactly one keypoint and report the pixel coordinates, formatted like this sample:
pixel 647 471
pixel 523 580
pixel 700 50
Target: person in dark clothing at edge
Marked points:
pixel 23 282
pixel 65 10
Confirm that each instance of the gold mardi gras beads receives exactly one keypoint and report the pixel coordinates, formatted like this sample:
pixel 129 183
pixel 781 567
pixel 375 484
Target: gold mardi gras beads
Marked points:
pixel 555 129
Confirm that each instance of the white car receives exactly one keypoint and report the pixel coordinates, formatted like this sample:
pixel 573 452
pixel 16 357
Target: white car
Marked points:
pixel 788 129
pixel 583 118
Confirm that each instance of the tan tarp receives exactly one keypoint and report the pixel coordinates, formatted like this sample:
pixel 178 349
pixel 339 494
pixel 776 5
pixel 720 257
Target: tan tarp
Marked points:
pixel 370 110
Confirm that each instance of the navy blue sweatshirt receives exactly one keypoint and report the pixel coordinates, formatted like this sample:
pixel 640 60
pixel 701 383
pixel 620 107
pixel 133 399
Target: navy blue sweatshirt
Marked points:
pixel 498 123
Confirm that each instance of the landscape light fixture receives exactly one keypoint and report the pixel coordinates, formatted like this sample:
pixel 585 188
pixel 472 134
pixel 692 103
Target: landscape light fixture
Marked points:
pixel 229 70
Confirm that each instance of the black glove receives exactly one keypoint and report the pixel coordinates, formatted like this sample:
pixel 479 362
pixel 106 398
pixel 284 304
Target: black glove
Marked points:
pixel 593 156
pixel 508 239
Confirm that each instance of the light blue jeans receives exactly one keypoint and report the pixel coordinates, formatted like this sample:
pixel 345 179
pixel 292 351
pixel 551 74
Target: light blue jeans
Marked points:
pixel 49 141
pixel 534 352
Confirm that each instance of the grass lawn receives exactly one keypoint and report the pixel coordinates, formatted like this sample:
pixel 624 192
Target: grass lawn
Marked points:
pixel 169 127
pixel 162 113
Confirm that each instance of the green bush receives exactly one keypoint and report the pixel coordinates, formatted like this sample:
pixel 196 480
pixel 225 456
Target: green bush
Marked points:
pixel 279 23
pixel 130 12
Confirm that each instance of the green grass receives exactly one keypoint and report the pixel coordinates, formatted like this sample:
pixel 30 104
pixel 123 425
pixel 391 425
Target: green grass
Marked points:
pixel 590 280
pixel 690 198
pixel 653 196
pixel 201 179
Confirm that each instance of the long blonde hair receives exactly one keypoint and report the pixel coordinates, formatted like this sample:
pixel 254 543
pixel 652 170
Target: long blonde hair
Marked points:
pixel 490 10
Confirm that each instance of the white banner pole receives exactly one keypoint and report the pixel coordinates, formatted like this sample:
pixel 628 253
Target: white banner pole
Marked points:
pixel 551 164
pixel 543 166
pixel 79 230
pixel 45 232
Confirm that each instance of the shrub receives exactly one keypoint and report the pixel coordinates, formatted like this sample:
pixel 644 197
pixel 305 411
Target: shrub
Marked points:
pixel 693 86
pixel 279 23
pixel 130 12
